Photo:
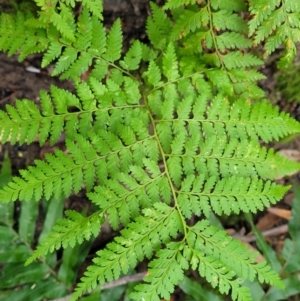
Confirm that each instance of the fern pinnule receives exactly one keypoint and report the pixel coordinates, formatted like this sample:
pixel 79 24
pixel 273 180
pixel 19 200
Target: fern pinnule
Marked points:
pixel 114 42
pixel 133 57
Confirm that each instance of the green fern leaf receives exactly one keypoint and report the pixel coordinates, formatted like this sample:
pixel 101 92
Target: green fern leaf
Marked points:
pixel 94 6
pixel 158 27
pixel 178 3
pixel 169 65
pixel 232 40
pixel 231 5
pixel 133 57
pixel 63 26
pixel 188 22
pixel 52 53
pixel 165 272
pixel 139 240
pixel 114 42
pixel 276 24
pixel 98 41
pixel 224 19
pixel 153 74
pixel 236 59
pixel 65 60
pixel 69 231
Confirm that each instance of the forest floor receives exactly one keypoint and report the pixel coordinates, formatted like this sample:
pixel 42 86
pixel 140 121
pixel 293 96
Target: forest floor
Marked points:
pixel 19 80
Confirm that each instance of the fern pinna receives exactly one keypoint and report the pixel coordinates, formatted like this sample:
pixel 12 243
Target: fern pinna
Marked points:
pixel 160 137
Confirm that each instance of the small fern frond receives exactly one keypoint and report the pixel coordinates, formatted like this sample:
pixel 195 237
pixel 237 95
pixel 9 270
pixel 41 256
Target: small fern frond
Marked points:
pixel 12 42
pixel 164 273
pixel 95 7
pixel 276 23
pixel 208 27
pixel 178 3
pixel 14 36
pixel 217 243
pixel 114 42
pixel 59 13
pixel 225 262
pixel 75 47
pixel 138 240
pixel 69 231
pixel 218 275
pixel 158 27
pixel 237 59
pixel 241 120
pixel 88 162
pixel 201 196
pixel 61 22
pixel 26 123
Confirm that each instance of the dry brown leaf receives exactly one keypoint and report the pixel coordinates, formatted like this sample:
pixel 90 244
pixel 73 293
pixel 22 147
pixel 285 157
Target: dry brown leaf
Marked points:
pixel 291 154
pixel 283 213
pixel 267 221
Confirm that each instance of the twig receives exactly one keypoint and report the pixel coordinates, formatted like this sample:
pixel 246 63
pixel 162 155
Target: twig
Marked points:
pixel 8 97
pixel 108 285
pixel 124 280
pixel 270 232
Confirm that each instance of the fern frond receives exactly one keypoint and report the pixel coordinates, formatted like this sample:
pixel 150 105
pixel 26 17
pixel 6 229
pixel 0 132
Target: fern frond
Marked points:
pixel 232 40
pixel 178 3
pixel 188 22
pixel 236 59
pixel 25 122
pixel 241 120
pixel 114 42
pixel 14 35
pixel 158 27
pixel 60 173
pixel 224 19
pixel 69 231
pixel 223 261
pixel 139 240
pixel 165 272
pixel 62 24
pixel 95 7
pixel 201 196
pixel 133 57
pixel 217 243
pixel 276 23
pixel 157 136
pixel 76 48
pixel 212 27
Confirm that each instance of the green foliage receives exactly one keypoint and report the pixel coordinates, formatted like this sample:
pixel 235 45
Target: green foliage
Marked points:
pixel 41 279
pixel 287 83
pixel 160 136
pixel 276 22
pixel 287 264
